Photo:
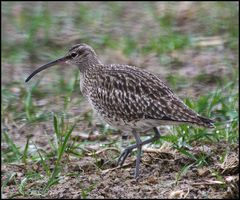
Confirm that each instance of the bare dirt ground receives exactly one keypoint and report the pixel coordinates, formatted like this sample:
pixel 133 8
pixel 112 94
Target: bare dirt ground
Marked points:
pixel 159 175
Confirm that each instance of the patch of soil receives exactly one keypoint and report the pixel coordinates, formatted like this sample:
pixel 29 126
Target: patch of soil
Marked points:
pixel 95 175
pixel 159 170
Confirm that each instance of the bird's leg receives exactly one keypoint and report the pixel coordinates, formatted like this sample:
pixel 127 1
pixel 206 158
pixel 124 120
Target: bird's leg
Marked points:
pixel 139 151
pixel 156 135
pixel 129 149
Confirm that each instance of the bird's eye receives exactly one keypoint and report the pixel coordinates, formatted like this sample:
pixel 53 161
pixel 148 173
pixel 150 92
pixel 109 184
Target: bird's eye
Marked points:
pixel 73 55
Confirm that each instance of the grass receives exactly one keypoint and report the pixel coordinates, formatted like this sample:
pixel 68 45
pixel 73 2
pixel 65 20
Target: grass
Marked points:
pixel 62 134
pixel 12 154
pixel 22 110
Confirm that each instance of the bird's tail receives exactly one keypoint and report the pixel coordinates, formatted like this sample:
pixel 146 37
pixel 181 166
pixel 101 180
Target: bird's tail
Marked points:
pixel 208 123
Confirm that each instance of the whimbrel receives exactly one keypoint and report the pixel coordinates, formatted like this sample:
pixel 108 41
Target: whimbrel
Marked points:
pixel 127 98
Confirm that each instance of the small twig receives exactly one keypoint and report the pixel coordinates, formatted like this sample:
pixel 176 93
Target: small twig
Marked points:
pixel 185 196
pixel 112 169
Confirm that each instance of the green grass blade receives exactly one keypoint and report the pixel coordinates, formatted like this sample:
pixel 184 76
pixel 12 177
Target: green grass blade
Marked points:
pixel 25 152
pixel 12 146
pixel 63 147
pixel 46 168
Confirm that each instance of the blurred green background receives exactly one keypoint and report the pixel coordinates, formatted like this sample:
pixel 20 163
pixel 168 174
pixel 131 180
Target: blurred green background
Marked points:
pixel 39 31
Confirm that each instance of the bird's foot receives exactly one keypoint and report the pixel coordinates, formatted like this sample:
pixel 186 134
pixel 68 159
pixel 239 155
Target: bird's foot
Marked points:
pixel 124 155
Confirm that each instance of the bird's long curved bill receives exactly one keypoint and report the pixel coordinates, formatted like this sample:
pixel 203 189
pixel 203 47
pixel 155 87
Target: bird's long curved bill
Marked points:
pixel 50 64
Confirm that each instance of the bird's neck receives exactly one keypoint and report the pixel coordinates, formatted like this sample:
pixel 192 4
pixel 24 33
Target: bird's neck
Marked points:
pixel 88 63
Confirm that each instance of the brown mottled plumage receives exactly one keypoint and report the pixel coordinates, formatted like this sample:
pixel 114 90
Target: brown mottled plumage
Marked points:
pixel 128 98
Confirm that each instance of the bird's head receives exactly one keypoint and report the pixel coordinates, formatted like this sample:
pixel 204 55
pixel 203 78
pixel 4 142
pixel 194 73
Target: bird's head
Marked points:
pixel 80 55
